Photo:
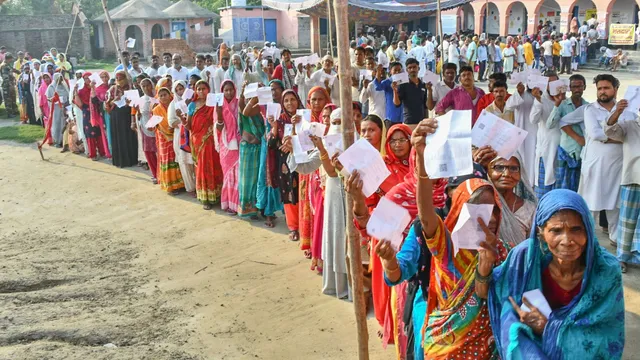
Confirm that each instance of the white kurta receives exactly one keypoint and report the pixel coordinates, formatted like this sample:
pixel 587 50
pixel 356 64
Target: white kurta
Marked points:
pixel 548 140
pixel 183 158
pixel 303 89
pixel 601 163
pixel 238 80
pixel 377 100
pixel 521 106
pixel 317 79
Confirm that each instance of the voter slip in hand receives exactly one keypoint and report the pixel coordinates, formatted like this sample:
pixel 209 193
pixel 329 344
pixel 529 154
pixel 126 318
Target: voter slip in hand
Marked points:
pixel 448 151
pixel 388 221
pixel 504 137
pixel 362 156
pixel 467 234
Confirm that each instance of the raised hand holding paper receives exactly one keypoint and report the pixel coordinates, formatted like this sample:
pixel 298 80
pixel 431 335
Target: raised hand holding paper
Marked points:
pixel 211 99
pixel 132 95
pixel 401 78
pixel 388 221
pixel 317 129
pixel 298 152
pixel 96 79
pixel 251 91
pixel 333 144
pixel 366 75
pixel 632 95
pixel 537 81
pixel 448 150
pixel 363 157
pixel 467 234
pixel 504 137
pixel 153 122
pixel 264 95
pixel 188 94
pixel 274 109
pixel 558 86
pixel 430 77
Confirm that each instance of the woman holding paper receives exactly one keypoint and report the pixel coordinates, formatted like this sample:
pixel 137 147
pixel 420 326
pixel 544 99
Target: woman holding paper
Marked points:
pixel 457 319
pixel 90 128
pixel 227 139
pixel 176 112
pixel 43 103
pixel 199 123
pixel 58 97
pixel 169 176
pixel 570 287
pixel 143 110
pixel 98 97
pixel 124 141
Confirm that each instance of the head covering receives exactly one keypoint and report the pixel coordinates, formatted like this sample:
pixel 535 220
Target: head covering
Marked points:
pixel 230 134
pixel 335 128
pixel 101 90
pixel 398 167
pixel 462 195
pixel 317 117
pixel 273 44
pixel 285 116
pixel 599 306
pixel 177 97
pixel 232 68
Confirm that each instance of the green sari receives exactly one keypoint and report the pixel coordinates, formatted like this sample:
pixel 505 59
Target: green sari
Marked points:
pixel 249 163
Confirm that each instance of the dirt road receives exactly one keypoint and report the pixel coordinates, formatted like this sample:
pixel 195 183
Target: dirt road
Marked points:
pixel 93 255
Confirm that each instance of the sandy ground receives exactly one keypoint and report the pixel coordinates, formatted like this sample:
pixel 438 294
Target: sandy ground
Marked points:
pixel 95 255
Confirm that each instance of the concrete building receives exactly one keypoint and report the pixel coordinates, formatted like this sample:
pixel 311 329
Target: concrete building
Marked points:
pixel 146 20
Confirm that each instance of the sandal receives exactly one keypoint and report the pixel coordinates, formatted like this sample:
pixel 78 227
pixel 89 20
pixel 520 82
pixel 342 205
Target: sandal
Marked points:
pixel 174 192
pixel 231 212
pixel 307 254
pixel 270 223
pixel 294 235
pixel 254 217
pixel 154 181
pixel 623 267
pixel 207 206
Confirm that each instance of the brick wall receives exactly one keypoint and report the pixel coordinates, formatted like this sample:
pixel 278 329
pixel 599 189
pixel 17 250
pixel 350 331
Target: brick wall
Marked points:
pixel 37 34
pixel 175 46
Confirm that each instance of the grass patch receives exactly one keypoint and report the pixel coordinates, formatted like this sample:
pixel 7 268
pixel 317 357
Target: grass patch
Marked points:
pixel 26 134
pixel 3 111
pixel 104 64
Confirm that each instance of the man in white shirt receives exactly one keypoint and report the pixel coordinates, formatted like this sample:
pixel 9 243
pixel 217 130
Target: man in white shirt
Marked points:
pixel 437 91
pixel 377 103
pixel 277 54
pixel 547 47
pixel 136 69
pixel 383 59
pixel 218 76
pixel 166 58
pixel 152 70
pixel 419 54
pixel 584 28
pixel 401 53
pixel 593 21
pixel 430 54
pixel 602 156
pixel 625 126
pixel 445 49
pixel 177 71
pixel 566 52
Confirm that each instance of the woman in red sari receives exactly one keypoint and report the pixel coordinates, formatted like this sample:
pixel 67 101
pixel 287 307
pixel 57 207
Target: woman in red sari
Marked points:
pixel 200 124
pixel 98 98
pixel 92 132
pixel 317 99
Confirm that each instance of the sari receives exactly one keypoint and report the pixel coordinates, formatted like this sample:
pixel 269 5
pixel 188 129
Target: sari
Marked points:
pixel 146 137
pixel 457 321
pixel 205 156
pixel 169 176
pixel 44 104
pixel 58 95
pixel 252 128
pixel 183 157
pixel 91 127
pixel 269 200
pixel 226 141
pixel 591 326
pixel 98 114
pixel 124 141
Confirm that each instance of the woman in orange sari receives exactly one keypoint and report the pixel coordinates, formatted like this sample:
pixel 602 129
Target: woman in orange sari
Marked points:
pixel 169 176
pixel 200 124
pixel 317 99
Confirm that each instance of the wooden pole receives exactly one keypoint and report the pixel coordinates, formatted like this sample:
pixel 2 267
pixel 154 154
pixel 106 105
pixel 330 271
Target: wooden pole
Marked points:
pixel 439 15
pixel 329 32
pixel 115 40
pixel 66 50
pixel 355 260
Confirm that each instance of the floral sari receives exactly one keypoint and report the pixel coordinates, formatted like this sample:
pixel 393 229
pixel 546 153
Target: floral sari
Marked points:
pixel 169 176
pixel 227 141
pixel 208 171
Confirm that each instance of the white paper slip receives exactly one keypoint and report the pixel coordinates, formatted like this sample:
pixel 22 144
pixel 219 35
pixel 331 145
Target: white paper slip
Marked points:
pixel 292 72
pixel 517 77
pixel 317 129
pixel 187 94
pixel 264 95
pixel 558 86
pixel 305 140
pixel 388 221
pixel 467 234
pixel 251 91
pixel 212 100
pixel 131 43
pixel 302 60
pixel 80 83
pixel 313 59
pixel 63 99
pixel 274 109
pixel 305 120
pixel 153 122
pixel 430 77
pixel 363 157
pixel 299 154
pixel 537 299
pixel 25 77
pixel 333 144
pixel 448 150
pixel 132 95
pixel 401 78
pixel 182 106
pixel 504 137
pixel 96 79
pixel 122 102
pixel 288 129
pixel 537 81
pixel 366 75
pixel 329 77
pixel 632 95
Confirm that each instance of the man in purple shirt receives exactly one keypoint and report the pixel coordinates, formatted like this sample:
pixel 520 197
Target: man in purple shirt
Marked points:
pixel 464 97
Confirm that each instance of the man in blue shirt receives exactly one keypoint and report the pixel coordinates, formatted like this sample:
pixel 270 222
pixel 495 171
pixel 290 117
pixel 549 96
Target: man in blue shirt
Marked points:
pixel 125 58
pixel 393 113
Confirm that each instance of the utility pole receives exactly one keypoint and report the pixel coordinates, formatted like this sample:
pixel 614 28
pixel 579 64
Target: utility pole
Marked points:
pixel 115 40
pixel 340 8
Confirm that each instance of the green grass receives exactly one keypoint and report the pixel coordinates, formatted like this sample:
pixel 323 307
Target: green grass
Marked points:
pixel 103 64
pixel 22 133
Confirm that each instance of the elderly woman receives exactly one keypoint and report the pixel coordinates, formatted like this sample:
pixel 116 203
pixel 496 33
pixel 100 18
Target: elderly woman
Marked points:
pixel 236 73
pixel 581 312
pixel 58 98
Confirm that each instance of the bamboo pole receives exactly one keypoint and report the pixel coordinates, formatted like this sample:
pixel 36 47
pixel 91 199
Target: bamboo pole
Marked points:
pixel 439 15
pixel 329 31
pixel 115 40
pixel 66 50
pixel 355 260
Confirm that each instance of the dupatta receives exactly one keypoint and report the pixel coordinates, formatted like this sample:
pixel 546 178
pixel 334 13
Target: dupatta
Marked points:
pixel 163 126
pixel 317 117
pixel 591 326
pixel 230 133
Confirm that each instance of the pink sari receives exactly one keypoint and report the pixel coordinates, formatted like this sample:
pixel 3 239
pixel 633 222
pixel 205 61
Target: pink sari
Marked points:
pixel 227 143
pixel 96 115
pixel 44 103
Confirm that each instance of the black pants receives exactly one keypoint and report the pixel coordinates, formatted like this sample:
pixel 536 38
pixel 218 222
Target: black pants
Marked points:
pixel 566 65
pixel 556 62
pixel 482 67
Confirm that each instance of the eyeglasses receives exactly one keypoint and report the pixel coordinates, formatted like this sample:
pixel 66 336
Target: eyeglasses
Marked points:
pixel 503 168
pixel 398 141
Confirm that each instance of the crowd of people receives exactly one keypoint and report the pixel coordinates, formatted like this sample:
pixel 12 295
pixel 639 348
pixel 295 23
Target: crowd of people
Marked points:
pixel 429 300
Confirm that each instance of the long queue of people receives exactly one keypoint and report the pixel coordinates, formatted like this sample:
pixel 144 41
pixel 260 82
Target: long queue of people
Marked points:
pixel 430 300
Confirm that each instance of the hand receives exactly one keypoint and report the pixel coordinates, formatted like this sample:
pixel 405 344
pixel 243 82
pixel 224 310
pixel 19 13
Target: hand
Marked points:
pixel 394 86
pixel 93 84
pixel 272 121
pixel 133 126
pixel 326 83
pixel 335 162
pixel 488 254
pixel 484 155
pixel 387 255
pixel 424 128
pixel 558 99
pixel 537 93
pixel 286 146
pixel 520 88
pixel 621 106
pixel 317 141
pixel 429 86
pixel 295 119
pixel 534 318
pixel 354 185
pixel 208 73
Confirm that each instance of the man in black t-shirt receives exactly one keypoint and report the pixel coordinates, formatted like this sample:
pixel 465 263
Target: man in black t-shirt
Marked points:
pixel 412 95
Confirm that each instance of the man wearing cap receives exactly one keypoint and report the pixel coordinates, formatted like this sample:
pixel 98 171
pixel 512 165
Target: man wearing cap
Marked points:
pixel 8 85
pixel 276 55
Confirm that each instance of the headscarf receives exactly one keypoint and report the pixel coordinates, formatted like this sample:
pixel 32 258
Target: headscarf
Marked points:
pixel 85 93
pixel 590 326
pixel 164 82
pixel 398 168
pixel 61 85
pixel 462 195
pixel 101 90
pixel 285 116
pixel 232 68
pixel 222 52
pixel 230 132
pixel 175 84
pixel 317 117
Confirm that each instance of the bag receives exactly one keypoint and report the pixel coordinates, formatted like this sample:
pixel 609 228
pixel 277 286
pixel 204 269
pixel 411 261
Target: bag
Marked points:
pixel 185 144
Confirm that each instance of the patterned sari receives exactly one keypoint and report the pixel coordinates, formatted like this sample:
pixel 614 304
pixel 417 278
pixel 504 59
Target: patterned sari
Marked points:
pixel 227 141
pixel 169 176
pixel 208 171
pixel 250 127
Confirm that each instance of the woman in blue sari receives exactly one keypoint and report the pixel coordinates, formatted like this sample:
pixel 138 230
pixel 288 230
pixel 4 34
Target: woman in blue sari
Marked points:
pixel 581 283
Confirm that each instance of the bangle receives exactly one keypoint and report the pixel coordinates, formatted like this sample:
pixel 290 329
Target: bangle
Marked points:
pixel 423 177
pixel 483 279
pixel 324 156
